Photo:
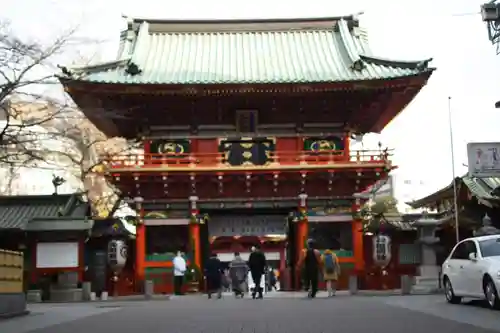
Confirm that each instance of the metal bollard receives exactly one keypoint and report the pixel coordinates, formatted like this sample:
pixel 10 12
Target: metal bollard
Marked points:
pixel 148 289
pixel 353 284
pixel 406 284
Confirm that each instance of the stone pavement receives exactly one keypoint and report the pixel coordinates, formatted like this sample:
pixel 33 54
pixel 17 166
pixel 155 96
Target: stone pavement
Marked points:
pixel 197 314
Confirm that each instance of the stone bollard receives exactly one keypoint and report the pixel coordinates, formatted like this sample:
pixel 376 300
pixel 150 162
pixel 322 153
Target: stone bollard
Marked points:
pixel 93 296
pixel 406 284
pixel 148 289
pixel 353 284
pixel 34 296
pixel 104 296
pixel 86 291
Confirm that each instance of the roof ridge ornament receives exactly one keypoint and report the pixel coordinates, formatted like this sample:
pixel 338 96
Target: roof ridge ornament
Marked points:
pixel 487 228
pixel 486 220
pixel 133 69
pixel 358 65
pixel 130 22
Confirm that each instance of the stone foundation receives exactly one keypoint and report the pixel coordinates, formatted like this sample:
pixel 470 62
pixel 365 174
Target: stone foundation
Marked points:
pixel 12 304
pixel 66 295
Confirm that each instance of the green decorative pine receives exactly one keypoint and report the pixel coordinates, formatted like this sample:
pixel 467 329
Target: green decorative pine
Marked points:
pixel 374 214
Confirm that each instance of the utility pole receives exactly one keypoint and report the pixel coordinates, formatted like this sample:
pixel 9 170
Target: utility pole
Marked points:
pixel 455 194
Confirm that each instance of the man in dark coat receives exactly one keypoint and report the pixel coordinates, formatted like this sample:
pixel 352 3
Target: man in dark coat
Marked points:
pixel 213 276
pixel 257 264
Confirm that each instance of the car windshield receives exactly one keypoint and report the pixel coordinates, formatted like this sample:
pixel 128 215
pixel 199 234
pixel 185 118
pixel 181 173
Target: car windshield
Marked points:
pixel 490 247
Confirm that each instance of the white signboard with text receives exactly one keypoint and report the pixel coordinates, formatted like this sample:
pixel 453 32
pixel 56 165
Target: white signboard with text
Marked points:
pixel 483 159
pixel 57 255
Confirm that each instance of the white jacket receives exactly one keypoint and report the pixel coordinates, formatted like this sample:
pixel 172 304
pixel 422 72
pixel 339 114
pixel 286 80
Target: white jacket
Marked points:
pixel 179 266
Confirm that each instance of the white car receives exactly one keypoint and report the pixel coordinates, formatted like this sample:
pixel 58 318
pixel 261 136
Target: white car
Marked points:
pixel 472 270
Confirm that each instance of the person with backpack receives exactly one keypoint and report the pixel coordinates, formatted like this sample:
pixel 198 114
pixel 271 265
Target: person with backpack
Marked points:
pixel 331 271
pixel 310 260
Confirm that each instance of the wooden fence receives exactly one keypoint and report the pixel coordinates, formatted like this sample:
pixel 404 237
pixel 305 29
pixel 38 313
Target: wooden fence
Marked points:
pixel 11 272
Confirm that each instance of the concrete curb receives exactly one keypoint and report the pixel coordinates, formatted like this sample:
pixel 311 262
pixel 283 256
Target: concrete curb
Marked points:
pixel 132 298
pixel 345 293
pixel 5 316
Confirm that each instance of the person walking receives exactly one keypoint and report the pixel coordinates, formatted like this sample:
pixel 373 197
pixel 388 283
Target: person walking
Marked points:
pixel 271 279
pixel 331 271
pixel 257 264
pixel 214 275
pixel 180 268
pixel 238 271
pixel 310 261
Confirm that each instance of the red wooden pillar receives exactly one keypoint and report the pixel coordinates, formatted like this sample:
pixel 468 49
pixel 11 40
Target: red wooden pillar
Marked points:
pixel 302 230
pixel 147 152
pixel 140 244
pixel 357 235
pixel 347 146
pixel 194 231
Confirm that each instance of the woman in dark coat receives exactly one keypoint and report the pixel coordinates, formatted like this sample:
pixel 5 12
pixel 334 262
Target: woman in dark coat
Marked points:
pixel 213 276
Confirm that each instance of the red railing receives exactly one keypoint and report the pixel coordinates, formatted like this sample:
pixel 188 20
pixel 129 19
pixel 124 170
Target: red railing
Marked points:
pixel 276 159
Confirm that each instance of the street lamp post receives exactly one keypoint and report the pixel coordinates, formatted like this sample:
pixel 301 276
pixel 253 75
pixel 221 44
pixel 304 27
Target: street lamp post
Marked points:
pixel 490 13
pixel 455 194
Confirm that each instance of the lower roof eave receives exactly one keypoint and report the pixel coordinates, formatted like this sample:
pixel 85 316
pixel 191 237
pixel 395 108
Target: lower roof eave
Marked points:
pixel 257 169
pixel 193 88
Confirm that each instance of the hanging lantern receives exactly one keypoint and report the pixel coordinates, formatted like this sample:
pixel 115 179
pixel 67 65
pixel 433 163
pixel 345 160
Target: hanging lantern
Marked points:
pixel 381 250
pixel 117 255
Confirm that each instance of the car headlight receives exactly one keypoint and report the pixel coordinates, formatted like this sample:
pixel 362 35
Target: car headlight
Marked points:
pixel 498 275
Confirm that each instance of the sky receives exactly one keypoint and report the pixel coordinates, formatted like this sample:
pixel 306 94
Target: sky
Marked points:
pixel 450 32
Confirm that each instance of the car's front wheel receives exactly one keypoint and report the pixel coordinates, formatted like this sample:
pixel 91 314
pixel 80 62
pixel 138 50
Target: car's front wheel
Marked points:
pixel 449 293
pixel 491 294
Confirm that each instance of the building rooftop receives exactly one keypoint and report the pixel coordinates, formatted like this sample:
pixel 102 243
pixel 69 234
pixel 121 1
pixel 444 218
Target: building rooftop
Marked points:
pixel 16 212
pixel 311 50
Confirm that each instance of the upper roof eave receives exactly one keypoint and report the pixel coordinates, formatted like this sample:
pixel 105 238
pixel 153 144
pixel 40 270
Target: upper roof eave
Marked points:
pixel 350 17
pixel 68 71
pixel 17 198
pixel 422 65
pixel 433 197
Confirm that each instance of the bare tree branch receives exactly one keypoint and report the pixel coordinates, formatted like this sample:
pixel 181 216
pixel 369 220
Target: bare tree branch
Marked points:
pixel 39 131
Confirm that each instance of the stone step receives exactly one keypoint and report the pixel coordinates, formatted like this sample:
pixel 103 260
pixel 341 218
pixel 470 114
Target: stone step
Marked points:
pixel 66 295
pixel 424 279
pixel 425 286
pixel 427 282
pixel 424 290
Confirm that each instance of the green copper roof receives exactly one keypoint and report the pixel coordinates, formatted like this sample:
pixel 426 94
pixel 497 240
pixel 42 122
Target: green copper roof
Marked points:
pixel 482 188
pixel 238 52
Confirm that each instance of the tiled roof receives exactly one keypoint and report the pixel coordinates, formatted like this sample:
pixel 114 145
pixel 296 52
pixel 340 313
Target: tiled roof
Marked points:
pixel 223 52
pixel 482 188
pixel 17 211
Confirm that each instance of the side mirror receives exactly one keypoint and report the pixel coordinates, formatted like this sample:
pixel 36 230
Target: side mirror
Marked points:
pixel 472 256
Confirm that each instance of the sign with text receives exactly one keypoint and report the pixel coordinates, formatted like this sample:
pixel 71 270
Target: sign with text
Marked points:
pixel 246 225
pixel 483 159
